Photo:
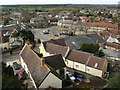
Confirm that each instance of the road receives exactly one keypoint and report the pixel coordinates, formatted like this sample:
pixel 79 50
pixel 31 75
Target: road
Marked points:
pixel 9 59
pixel 38 34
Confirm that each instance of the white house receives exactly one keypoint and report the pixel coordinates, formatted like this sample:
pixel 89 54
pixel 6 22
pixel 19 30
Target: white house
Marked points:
pixel 77 60
pixel 113 40
pixel 37 70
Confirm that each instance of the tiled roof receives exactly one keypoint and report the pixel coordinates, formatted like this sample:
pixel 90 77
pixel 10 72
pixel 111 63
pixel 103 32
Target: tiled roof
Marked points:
pixel 96 60
pixel 103 24
pixel 75 55
pixel 55 61
pixel 78 56
pixel 110 32
pixel 37 69
pixel 117 46
pixel 60 41
pixel 56 49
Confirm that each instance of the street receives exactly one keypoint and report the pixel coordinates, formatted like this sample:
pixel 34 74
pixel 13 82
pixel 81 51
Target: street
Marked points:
pixel 38 34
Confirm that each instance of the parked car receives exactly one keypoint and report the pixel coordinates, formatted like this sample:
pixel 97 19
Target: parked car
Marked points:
pixel 71 77
pixel 78 79
pixel 20 75
pixel 65 33
pixel 16 66
pixel 46 31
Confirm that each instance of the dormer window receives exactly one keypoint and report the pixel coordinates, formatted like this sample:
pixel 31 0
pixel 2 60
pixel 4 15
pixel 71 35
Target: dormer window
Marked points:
pixel 96 65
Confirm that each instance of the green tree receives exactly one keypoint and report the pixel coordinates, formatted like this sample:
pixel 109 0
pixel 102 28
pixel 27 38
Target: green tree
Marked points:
pixel 6 22
pixel 9 80
pixel 26 35
pixel 114 82
pixel 92 48
pixel 100 53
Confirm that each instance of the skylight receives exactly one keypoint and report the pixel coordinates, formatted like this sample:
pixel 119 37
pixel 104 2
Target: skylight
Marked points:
pixel 96 65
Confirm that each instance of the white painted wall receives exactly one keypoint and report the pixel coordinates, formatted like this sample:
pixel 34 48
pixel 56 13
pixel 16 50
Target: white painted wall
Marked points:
pixel 69 63
pixel 93 71
pixel 23 64
pixel 51 80
pixel 79 66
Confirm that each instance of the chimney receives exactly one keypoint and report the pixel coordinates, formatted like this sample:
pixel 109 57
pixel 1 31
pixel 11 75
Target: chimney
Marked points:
pixel 67 52
pixel 42 61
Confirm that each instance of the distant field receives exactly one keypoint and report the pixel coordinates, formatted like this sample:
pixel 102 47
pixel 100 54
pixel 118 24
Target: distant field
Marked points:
pixel 37 8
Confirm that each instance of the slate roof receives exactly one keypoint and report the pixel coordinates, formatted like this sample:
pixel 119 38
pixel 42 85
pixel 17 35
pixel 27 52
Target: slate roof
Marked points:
pixel 38 70
pixel 95 37
pixel 55 61
pixel 76 41
pixel 75 55
pixel 60 41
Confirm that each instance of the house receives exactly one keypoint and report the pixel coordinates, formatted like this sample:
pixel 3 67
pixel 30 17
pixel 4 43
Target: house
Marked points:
pixel 110 32
pixel 57 63
pixel 76 42
pixel 113 40
pixel 38 22
pixel 65 23
pixel 77 60
pixel 37 70
pixel 5 33
pixel 112 46
pixel 100 26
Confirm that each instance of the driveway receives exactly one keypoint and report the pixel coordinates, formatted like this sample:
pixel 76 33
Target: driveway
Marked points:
pixel 38 34
pixel 9 59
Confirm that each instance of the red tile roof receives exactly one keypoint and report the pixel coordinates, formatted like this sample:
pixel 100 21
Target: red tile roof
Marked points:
pixel 78 56
pixel 117 46
pixel 103 24
pixel 74 55
pixel 110 32
pixel 93 60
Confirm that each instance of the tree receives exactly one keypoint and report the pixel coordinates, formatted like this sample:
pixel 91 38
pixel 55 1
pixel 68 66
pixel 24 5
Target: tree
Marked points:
pixel 114 82
pixel 91 48
pixel 8 78
pixel 26 35
pixel 100 53
pixel 6 22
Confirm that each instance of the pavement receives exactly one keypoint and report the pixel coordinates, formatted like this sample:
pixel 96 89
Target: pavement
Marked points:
pixel 9 59
pixel 38 34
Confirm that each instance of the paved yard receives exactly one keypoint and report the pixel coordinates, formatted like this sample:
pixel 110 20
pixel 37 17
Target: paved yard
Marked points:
pixel 9 59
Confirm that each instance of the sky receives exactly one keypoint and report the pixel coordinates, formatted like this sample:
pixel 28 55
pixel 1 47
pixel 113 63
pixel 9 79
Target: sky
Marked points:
pixel 12 2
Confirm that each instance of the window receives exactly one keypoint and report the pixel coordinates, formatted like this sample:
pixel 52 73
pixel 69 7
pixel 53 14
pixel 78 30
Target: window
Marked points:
pixel 77 66
pixel 88 69
pixel 66 61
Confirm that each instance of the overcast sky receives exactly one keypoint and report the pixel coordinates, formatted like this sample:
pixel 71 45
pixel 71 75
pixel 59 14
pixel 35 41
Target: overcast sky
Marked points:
pixel 9 2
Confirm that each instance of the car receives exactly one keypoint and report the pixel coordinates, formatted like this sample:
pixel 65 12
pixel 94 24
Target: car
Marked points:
pixel 46 31
pixel 16 66
pixel 20 75
pixel 65 33
pixel 71 77
pixel 78 79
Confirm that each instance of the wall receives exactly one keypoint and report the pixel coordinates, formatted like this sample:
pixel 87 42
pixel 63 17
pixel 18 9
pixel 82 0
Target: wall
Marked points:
pixel 23 64
pixel 42 50
pixel 69 63
pixel 79 66
pixel 51 80
pixel 93 71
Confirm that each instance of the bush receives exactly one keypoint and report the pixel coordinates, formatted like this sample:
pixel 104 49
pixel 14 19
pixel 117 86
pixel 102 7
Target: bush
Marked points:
pixel 91 48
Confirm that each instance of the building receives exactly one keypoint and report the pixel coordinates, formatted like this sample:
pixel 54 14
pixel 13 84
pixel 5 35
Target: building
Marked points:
pixel 77 60
pixel 38 71
pixel 100 26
